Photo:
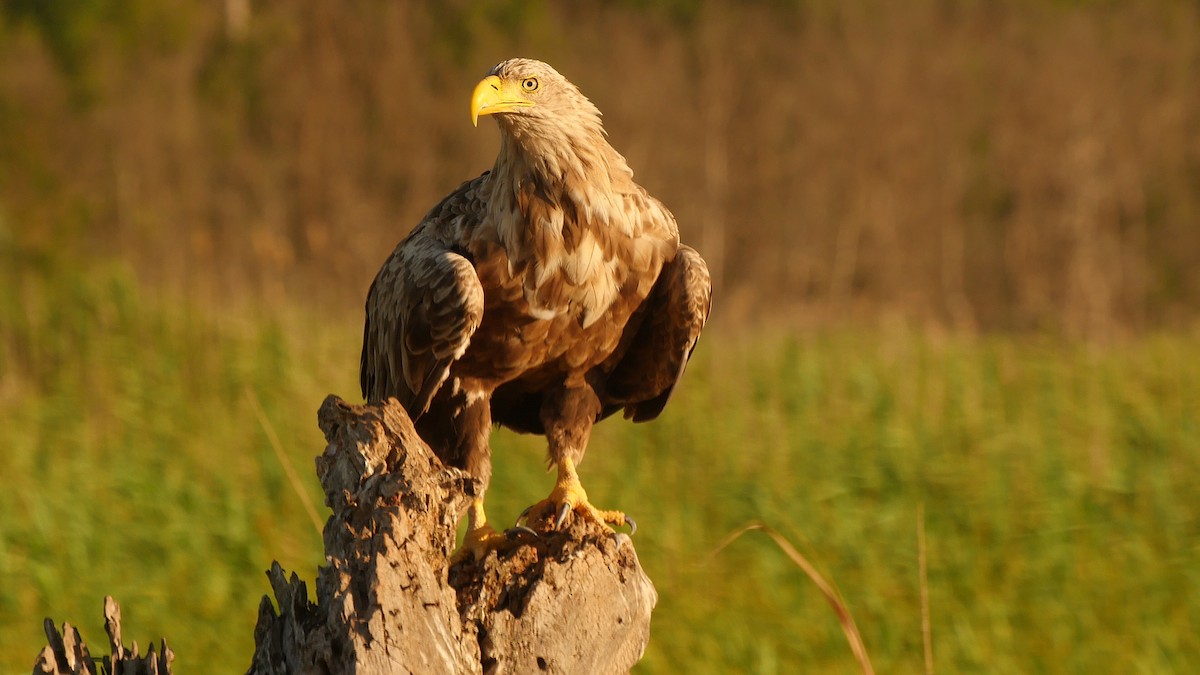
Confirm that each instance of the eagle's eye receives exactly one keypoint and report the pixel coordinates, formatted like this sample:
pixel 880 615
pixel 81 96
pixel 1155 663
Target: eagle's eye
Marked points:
pixel 529 84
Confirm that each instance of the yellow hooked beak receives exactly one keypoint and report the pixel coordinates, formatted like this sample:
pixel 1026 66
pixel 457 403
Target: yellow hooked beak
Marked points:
pixel 493 95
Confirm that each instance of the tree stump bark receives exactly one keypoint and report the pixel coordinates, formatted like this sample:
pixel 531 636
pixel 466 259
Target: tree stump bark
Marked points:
pixel 575 601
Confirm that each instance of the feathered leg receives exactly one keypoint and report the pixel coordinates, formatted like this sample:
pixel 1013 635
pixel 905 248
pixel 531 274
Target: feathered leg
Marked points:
pixel 568 416
pixel 467 420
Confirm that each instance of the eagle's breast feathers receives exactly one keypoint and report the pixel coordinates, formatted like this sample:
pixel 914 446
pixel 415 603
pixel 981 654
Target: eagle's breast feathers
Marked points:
pixel 579 257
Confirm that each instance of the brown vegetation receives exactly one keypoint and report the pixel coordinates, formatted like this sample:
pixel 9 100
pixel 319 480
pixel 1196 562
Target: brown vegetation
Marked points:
pixel 970 164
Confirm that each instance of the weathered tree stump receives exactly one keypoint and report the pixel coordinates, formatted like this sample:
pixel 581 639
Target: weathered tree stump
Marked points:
pixel 66 654
pixel 575 601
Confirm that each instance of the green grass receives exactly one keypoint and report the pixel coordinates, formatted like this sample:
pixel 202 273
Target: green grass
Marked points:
pixel 1058 484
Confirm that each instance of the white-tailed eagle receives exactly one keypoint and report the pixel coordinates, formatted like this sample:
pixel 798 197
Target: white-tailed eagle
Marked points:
pixel 544 296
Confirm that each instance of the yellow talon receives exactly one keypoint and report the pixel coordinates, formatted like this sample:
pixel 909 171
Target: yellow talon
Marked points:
pixel 477 543
pixel 481 538
pixel 567 496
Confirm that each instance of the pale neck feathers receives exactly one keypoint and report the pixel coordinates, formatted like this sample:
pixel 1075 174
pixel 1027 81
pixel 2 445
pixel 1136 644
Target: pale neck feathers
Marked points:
pixel 564 206
pixel 566 161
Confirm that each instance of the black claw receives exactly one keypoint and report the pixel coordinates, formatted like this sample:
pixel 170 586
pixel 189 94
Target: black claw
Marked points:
pixel 632 525
pixel 522 517
pixel 512 533
pixel 562 515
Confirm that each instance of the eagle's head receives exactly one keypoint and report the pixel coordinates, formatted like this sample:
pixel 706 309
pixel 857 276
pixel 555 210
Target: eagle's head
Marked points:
pixel 529 97
pixel 552 145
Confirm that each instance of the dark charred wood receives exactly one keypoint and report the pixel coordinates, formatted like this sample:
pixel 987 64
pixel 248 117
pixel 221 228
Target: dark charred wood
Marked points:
pixel 66 654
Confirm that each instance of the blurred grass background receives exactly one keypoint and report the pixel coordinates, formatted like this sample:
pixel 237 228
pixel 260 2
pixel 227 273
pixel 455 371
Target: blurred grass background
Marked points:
pixel 958 256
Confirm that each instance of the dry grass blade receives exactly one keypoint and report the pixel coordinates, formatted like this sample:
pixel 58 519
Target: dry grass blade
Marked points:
pixel 926 629
pixel 297 486
pixel 831 593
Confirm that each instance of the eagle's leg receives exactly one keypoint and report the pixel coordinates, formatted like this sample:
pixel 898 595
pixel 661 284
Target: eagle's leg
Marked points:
pixel 568 418
pixel 463 421
pixel 568 496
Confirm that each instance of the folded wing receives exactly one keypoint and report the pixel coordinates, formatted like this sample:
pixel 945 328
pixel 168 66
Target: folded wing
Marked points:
pixel 422 309
pixel 662 341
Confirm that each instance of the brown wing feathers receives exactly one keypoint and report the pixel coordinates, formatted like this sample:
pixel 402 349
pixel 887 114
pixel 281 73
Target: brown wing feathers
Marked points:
pixel 429 302
pixel 673 316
